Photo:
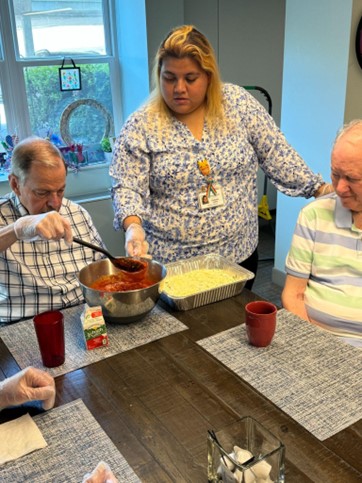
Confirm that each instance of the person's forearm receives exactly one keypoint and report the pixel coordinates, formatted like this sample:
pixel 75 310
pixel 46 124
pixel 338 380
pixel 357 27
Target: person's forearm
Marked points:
pixel 295 304
pixel 131 219
pixel 7 237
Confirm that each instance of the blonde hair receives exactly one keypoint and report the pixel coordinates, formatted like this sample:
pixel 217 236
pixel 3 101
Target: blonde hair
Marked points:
pixel 181 42
pixel 34 150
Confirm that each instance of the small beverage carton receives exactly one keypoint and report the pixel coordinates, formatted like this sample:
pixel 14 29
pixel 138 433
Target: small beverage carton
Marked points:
pixel 94 327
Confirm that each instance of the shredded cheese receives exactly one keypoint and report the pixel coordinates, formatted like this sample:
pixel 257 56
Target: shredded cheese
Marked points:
pixel 196 281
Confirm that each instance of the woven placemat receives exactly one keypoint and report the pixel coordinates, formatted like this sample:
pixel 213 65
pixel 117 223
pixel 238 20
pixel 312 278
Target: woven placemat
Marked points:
pixel 20 338
pixel 309 374
pixel 76 444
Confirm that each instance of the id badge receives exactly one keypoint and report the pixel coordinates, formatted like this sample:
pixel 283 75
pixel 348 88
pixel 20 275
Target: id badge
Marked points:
pixel 211 199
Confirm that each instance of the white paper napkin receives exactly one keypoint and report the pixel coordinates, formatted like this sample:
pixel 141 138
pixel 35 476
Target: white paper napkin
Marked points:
pixel 18 438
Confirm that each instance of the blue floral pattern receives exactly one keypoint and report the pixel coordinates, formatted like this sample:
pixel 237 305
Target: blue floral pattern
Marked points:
pixel 156 177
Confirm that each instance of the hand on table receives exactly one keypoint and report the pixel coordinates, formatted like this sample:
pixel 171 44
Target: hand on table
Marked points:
pixel 30 384
pixel 136 244
pixel 101 474
pixel 47 226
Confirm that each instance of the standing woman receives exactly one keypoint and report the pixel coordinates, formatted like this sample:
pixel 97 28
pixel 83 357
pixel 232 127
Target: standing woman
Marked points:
pixel 185 164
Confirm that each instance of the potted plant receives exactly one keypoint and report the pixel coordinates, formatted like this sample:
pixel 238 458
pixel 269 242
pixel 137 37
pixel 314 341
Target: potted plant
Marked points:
pixel 106 148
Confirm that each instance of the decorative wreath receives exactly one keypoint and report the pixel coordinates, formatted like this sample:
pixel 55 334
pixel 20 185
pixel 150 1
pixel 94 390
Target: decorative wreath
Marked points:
pixel 69 110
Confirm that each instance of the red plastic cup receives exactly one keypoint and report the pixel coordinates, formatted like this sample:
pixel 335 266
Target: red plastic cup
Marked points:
pixel 260 321
pixel 49 328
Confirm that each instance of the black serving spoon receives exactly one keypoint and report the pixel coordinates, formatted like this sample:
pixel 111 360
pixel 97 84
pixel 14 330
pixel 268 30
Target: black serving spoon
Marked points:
pixel 127 264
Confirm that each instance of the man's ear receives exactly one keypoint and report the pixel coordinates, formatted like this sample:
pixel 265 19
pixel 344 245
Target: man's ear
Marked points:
pixel 14 184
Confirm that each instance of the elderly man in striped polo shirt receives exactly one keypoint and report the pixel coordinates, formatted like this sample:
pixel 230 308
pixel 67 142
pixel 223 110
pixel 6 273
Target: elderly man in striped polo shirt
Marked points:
pixel 324 264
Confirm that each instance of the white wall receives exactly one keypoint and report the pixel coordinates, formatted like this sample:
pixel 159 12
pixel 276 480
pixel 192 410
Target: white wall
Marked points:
pixel 161 17
pixel 133 54
pixel 316 50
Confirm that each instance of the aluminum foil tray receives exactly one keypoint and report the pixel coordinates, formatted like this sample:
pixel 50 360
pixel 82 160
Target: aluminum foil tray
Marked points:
pixel 222 292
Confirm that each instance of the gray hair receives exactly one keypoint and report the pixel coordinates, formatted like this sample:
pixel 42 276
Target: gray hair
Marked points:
pixel 356 124
pixel 34 150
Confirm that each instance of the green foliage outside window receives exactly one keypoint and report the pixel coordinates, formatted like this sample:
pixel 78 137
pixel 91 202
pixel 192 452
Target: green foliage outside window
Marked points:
pixel 47 102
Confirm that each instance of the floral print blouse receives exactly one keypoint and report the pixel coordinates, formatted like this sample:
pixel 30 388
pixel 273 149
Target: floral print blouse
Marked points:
pixel 155 176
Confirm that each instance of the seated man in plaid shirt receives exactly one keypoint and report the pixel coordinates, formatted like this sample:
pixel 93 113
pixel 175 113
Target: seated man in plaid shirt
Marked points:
pixel 38 262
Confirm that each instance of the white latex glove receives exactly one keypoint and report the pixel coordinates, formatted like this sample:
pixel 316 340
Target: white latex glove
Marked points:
pixel 101 474
pixel 47 226
pixel 30 384
pixel 136 244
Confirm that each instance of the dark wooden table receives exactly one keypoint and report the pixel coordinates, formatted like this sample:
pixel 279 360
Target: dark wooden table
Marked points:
pixel 157 402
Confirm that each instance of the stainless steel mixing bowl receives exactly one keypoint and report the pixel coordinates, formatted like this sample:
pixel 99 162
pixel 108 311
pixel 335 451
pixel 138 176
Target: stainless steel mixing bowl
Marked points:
pixel 121 307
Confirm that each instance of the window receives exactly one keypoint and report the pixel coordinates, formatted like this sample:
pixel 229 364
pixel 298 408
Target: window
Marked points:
pixel 61 27
pixel 2 111
pixel 36 37
pixel 2 117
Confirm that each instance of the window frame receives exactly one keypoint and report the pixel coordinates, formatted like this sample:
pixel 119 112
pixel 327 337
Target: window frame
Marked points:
pixel 12 68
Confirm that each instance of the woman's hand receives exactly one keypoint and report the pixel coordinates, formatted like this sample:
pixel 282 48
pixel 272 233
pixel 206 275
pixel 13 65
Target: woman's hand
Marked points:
pixel 136 244
pixel 324 189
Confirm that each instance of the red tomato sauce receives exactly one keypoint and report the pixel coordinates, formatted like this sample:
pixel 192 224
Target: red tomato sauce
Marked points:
pixel 120 283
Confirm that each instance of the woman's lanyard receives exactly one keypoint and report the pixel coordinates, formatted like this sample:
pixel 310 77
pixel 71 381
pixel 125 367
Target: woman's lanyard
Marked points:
pixel 210 195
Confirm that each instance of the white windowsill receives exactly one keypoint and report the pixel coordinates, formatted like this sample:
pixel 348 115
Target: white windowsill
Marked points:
pixel 90 183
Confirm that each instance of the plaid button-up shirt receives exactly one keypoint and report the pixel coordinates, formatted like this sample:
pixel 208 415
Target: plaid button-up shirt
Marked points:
pixel 42 275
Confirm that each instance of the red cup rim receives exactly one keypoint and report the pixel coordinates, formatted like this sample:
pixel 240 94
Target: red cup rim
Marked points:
pixel 48 317
pixel 249 307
